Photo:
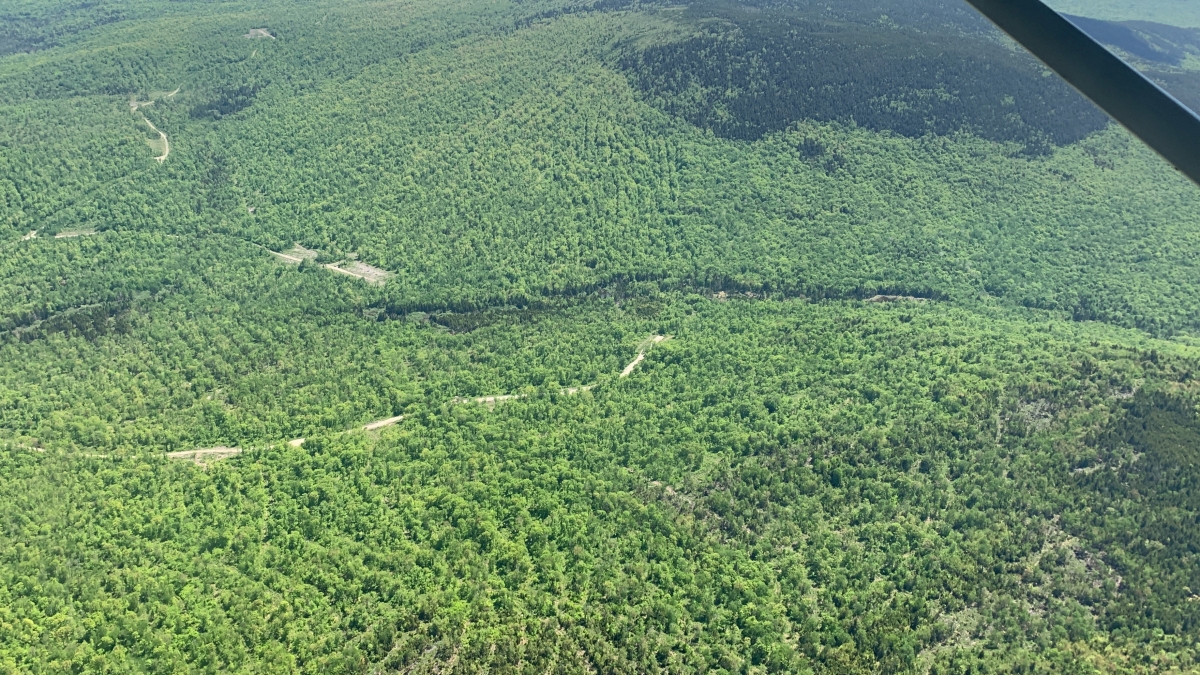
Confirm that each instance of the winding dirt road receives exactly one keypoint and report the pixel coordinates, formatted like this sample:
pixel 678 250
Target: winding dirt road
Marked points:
pixel 205 455
pixel 166 144
pixel 642 354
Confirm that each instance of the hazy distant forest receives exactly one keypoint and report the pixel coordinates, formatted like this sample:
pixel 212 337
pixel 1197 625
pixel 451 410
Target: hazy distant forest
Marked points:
pixel 548 336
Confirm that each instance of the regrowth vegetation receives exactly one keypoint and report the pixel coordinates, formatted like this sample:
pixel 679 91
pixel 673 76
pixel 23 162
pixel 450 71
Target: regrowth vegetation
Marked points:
pixel 611 337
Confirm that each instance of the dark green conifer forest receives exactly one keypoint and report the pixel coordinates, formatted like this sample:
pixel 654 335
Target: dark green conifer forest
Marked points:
pixel 590 336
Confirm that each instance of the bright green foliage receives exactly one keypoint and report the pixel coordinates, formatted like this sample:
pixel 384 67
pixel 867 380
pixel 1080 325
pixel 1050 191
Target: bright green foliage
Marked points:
pixel 788 474
pixel 516 162
pixel 997 476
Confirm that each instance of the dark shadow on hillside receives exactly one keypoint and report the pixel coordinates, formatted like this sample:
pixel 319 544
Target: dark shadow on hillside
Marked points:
pixel 752 70
pixel 1158 50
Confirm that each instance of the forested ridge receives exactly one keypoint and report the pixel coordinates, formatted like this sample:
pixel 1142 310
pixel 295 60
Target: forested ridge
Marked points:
pixel 588 337
pixel 755 72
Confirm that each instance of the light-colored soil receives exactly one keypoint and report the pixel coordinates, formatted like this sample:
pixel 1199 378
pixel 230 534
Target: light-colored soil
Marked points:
pixel 203 456
pixel 258 33
pixel 166 145
pixel 32 235
pixel 361 270
pixel 645 347
pixel 296 442
pixel 491 401
pixel 632 365
pixel 299 251
pixel 895 298
pixel 352 268
pixel 296 255
pixel 379 424
pixel 335 268
pixel 74 233
pixel 134 105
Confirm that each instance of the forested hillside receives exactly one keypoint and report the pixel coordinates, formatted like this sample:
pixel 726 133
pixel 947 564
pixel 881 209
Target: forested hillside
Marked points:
pixel 1172 12
pixel 588 337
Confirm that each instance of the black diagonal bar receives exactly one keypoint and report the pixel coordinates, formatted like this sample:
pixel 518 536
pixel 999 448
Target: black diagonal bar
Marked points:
pixel 1143 107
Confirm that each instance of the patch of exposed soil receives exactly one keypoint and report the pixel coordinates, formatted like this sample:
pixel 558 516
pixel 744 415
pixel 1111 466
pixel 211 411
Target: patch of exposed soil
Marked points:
pixel 361 270
pixel 258 33
pixel 296 254
pixel 379 424
pixel 205 456
pixel 489 401
pixel 300 252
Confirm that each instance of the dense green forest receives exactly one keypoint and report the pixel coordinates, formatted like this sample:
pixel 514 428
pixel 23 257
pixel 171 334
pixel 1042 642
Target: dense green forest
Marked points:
pixel 555 336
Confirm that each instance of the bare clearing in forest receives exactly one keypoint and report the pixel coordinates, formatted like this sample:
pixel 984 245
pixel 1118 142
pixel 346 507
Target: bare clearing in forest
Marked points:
pixel 303 253
pixel 645 347
pixel 489 401
pixel 67 234
pixel 296 442
pixel 361 270
pixel 352 268
pixel 203 456
pixel 296 254
pixel 258 33
pixel 383 423
pixel 493 400
pixel 32 235
pixel 895 298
